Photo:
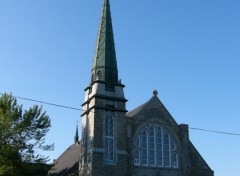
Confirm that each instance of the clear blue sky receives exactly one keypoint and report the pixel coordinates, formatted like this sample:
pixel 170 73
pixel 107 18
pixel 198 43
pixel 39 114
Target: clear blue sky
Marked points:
pixel 188 50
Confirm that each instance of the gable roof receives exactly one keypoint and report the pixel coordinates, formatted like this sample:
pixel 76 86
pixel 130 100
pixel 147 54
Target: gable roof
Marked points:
pixel 67 162
pixel 153 103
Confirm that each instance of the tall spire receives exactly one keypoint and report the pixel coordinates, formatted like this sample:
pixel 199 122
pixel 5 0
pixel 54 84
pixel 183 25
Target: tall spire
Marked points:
pixel 105 64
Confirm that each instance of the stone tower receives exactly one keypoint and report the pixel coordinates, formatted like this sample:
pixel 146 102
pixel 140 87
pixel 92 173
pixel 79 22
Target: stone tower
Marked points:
pixel 104 136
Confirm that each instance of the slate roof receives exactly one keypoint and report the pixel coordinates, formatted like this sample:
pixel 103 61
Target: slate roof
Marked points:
pixel 135 111
pixel 68 162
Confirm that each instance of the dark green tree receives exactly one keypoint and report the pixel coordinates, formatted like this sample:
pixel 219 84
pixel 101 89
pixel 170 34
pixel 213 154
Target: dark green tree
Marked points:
pixel 22 136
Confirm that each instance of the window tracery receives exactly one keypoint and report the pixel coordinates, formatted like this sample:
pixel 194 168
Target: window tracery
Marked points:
pixel 155 147
pixel 109 138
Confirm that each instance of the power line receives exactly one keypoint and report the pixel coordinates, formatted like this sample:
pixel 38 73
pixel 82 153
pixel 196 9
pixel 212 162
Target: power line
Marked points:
pixel 214 131
pixel 43 102
pixel 78 109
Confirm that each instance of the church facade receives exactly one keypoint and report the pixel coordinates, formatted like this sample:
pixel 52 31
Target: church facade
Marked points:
pixel 146 141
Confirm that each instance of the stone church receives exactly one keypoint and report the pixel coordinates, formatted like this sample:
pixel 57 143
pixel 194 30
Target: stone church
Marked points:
pixel 146 141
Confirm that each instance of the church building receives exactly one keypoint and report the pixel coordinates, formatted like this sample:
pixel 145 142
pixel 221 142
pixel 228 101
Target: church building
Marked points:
pixel 146 141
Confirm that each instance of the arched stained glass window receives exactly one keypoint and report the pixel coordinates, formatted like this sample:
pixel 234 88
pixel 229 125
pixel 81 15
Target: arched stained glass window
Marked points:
pixel 144 147
pixel 109 138
pixel 151 144
pixel 155 147
pixel 159 147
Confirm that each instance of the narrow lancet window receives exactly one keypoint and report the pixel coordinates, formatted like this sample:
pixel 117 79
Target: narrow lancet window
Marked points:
pixel 136 157
pixel 159 147
pixel 151 146
pixel 144 146
pixel 109 138
pixel 167 158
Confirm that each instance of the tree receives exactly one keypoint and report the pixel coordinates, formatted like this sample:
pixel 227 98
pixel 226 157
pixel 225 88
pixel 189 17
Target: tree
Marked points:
pixel 22 135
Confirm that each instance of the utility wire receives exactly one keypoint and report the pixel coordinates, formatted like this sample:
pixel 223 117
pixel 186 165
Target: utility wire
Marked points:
pixel 43 102
pixel 78 109
pixel 214 131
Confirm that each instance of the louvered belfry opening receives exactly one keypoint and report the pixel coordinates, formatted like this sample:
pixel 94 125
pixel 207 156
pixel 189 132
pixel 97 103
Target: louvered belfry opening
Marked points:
pixel 109 81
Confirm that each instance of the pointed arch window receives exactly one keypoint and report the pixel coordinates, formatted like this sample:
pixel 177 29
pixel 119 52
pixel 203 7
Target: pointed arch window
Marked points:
pixel 159 147
pixel 109 138
pixel 144 147
pixel 151 147
pixel 136 157
pixel 155 147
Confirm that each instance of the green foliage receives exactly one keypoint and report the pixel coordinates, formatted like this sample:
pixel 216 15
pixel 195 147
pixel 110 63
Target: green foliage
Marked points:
pixel 22 134
pixel 36 169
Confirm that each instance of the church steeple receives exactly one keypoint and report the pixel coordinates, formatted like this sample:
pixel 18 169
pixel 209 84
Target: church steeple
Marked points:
pixel 104 109
pixel 105 64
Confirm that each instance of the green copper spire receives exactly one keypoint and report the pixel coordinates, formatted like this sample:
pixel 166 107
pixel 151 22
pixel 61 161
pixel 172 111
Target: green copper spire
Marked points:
pixel 104 64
